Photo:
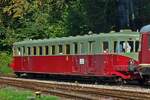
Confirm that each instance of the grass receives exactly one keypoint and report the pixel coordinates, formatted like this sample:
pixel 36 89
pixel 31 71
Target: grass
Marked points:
pixel 11 93
pixel 5 60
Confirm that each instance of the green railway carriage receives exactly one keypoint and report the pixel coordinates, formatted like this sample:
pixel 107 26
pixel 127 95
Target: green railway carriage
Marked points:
pixel 80 45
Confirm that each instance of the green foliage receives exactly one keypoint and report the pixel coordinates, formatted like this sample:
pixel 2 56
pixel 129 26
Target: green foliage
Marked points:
pixel 30 19
pixel 74 19
pixel 16 8
pixel 4 62
pixel 38 19
pixel 145 11
pixel 10 93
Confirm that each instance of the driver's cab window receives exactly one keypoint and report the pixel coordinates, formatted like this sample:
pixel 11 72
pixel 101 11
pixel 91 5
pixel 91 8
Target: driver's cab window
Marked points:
pixel 131 46
pixel 123 46
pixel 128 46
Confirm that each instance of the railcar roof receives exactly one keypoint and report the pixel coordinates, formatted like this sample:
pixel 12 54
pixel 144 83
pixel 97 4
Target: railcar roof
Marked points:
pixel 125 33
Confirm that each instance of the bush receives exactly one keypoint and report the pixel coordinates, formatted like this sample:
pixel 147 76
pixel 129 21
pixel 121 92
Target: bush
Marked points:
pixel 5 60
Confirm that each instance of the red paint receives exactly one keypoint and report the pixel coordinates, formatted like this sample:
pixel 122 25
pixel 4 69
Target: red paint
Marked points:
pixel 93 65
pixel 145 49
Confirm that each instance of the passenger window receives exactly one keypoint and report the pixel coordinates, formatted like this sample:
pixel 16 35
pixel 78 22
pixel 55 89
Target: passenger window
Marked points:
pixel 53 50
pixel 34 50
pixel 75 48
pixel 24 50
pixel 136 46
pixel 29 51
pixel 115 46
pixel 91 46
pixel 60 49
pixel 46 50
pixel 40 50
pixel 67 49
pixel 118 46
pixel 105 46
pixel 130 46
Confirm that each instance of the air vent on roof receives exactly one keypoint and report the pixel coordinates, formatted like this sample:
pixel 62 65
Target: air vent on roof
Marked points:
pixel 112 31
pixel 126 30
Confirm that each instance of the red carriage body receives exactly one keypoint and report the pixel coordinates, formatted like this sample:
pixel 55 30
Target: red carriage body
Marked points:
pixel 106 65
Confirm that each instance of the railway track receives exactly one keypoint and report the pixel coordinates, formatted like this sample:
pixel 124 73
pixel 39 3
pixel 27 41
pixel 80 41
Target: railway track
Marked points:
pixel 77 91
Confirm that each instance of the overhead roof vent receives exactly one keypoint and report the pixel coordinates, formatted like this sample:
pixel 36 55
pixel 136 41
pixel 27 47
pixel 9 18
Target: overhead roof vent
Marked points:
pixel 126 30
pixel 112 31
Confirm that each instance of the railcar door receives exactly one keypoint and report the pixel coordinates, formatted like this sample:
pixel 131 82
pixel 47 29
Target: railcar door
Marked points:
pixel 22 58
pixel 92 65
pixel 98 64
pixel 26 60
pixel 80 64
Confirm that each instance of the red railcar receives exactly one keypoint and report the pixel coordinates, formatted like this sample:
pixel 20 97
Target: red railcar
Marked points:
pixel 92 56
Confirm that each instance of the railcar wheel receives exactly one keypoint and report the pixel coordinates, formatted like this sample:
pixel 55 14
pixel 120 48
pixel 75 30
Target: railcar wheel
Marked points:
pixel 144 81
pixel 120 81
pixel 18 74
pixel 30 75
pixel 141 82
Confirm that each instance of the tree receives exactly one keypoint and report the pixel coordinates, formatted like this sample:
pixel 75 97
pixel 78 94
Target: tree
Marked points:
pixel 39 19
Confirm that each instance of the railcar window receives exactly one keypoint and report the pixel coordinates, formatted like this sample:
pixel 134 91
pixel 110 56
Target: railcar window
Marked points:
pixel 75 48
pixel 40 50
pixel 131 46
pixel 53 50
pixel 115 46
pixel 60 49
pixel 127 46
pixel 119 46
pixel 122 46
pixel 24 50
pixel 67 49
pixel 91 46
pixel 136 46
pixel 105 46
pixel 46 50
pixel 34 50
pixel 29 51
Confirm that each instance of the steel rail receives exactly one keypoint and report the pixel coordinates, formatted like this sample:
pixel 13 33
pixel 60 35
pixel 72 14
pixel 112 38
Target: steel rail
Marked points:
pixel 47 88
pixel 75 90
